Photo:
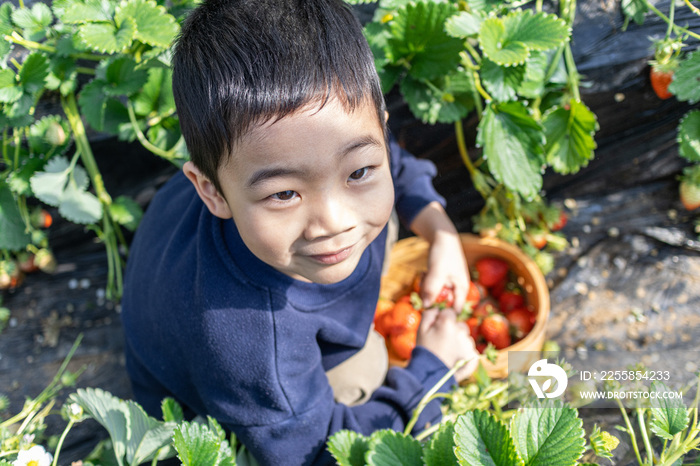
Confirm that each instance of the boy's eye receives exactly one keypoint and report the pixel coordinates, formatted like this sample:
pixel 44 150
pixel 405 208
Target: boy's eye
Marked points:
pixel 284 195
pixel 359 174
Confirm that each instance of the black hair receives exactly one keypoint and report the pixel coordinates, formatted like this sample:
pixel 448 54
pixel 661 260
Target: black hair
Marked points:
pixel 240 63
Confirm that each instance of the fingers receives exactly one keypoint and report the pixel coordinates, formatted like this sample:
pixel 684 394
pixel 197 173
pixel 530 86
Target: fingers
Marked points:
pixel 430 287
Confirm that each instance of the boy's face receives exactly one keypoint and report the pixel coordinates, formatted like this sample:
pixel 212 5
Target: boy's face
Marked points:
pixel 311 191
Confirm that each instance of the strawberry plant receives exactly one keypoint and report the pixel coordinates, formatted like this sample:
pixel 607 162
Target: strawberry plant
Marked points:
pixel 681 71
pixel 514 69
pixel 108 63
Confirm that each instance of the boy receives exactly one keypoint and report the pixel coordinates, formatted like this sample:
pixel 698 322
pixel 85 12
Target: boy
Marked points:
pixel 256 270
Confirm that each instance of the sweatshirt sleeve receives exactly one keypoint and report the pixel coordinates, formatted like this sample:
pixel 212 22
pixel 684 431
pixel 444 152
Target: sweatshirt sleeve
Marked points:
pixel 283 409
pixel 413 182
pixel 302 439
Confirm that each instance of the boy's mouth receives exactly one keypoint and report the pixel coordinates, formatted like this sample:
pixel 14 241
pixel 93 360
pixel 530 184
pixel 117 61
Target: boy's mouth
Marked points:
pixel 333 257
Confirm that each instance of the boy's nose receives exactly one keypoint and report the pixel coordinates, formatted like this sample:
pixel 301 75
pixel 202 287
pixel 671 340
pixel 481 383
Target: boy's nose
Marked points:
pixel 328 217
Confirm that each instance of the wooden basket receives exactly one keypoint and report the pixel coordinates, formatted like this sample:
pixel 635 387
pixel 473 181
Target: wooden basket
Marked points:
pixel 409 256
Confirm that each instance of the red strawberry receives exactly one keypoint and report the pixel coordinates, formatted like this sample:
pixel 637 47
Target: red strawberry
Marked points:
pixel 521 321
pixel 446 297
pixel 473 295
pixel 660 79
pixel 495 330
pixel 473 324
pixel 561 223
pixel 689 194
pixel 510 300
pixel 484 308
pixel 491 270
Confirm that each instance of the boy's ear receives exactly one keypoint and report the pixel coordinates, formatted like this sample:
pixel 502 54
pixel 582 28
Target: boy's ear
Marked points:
pixel 206 190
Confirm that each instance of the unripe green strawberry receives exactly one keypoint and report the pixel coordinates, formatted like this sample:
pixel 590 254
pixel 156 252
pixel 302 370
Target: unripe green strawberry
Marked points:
pixel 45 260
pixel 689 194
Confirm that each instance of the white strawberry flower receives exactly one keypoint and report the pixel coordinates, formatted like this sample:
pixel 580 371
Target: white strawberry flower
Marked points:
pixel 35 456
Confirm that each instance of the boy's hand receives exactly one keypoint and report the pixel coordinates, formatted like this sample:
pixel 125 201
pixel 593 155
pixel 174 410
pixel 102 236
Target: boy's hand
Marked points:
pixel 448 339
pixel 447 266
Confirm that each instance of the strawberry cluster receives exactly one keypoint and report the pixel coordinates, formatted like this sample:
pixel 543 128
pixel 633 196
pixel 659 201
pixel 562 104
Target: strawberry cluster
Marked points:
pixel 496 310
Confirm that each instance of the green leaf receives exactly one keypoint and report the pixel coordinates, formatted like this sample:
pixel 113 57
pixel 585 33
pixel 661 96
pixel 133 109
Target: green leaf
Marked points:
pixel 123 78
pixel 446 101
pixel 391 448
pixel 78 205
pixel 669 415
pixel 439 451
pixel 34 21
pixel 496 45
pixel 513 146
pixel 501 82
pixel 534 83
pixel 16 114
pixel 156 96
pixel 548 433
pixel 9 90
pixel 509 40
pixel 6 28
pixel 110 412
pixel 154 25
pixel 88 11
pixel 635 10
pixel 92 101
pixel 18 180
pixel 418 36
pixel 569 132
pixel 48 185
pixel 32 75
pixel 685 85
pixel 108 37
pixel 482 439
pixel 146 435
pixel 115 115
pixel 689 136
pixel 348 448
pixel 197 445
pixel 14 236
pixel 171 409
pixel 464 24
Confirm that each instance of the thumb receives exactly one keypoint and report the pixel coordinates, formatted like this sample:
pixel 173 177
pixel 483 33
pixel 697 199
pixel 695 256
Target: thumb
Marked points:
pixel 430 288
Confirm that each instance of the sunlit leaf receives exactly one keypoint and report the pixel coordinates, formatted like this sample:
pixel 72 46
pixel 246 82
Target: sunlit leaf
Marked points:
pixel 34 21
pixel 570 143
pixel 509 40
pixel 123 78
pixel 533 83
pixel 635 10
pixel 9 90
pixel 156 96
pixel 172 410
pixel 439 451
pixel 482 439
pixel 154 25
pixel 391 448
pixel 87 11
pixel 48 185
pixel 464 24
pixel 348 448
pixel 669 415
pixel 108 37
pixel 548 433
pixel 197 445
pixel 79 206
pixel 501 82
pixel 689 136
pixel 513 144
pixel 446 101
pixel 418 36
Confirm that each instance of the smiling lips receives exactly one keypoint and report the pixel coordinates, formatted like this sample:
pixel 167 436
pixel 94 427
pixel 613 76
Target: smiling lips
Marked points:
pixel 334 257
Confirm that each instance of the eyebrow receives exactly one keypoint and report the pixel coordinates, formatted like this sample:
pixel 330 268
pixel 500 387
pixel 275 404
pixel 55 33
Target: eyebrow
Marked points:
pixel 273 172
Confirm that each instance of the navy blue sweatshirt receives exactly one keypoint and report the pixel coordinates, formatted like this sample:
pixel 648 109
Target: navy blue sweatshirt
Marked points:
pixel 209 324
